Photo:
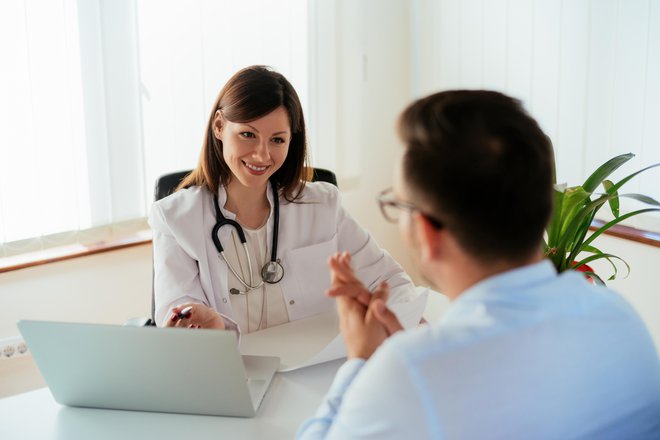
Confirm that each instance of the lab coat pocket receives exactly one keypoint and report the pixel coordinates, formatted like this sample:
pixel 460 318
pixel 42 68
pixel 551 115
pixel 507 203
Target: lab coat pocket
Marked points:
pixel 308 279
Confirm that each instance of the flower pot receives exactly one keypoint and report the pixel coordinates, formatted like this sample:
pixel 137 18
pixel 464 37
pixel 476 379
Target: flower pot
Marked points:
pixel 585 268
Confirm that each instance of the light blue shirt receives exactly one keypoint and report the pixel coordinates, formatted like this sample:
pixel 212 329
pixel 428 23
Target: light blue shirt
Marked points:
pixel 526 354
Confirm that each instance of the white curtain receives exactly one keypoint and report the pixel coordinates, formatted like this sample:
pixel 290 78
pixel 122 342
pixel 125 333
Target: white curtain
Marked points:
pixel 100 97
pixel 588 70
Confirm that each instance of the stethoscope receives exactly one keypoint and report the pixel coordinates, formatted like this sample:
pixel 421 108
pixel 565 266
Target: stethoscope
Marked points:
pixel 272 272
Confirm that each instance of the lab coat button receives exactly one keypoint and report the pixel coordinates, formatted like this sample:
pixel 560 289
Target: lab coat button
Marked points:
pixel 224 300
pixel 292 302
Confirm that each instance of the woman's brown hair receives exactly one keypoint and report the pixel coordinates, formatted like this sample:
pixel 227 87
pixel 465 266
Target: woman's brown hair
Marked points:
pixel 251 93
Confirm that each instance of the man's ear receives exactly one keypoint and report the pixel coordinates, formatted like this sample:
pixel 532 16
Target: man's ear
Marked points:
pixel 429 236
pixel 218 123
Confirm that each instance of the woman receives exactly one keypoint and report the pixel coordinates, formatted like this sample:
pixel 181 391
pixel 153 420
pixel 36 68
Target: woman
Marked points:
pixel 252 173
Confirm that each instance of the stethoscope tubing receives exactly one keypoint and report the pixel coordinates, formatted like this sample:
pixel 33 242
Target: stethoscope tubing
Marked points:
pixel 221 221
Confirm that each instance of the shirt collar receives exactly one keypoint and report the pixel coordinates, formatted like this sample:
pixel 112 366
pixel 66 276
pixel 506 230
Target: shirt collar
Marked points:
pixel 505 285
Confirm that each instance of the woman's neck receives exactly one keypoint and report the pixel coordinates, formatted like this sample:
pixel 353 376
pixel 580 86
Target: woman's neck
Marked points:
pixel 250 205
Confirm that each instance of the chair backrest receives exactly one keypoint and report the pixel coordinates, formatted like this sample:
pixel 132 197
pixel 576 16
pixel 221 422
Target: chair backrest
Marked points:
pixel 323 175
pixel 167 183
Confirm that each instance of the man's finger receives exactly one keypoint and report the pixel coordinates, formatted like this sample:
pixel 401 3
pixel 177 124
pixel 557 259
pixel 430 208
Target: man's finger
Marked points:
pixel 348 307
pixel 382 292
pixel 339 274
pixel 341 270
pixel 385 316
pixel 358 293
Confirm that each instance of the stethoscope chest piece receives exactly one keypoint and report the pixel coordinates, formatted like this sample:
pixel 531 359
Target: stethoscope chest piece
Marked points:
pixel 272 272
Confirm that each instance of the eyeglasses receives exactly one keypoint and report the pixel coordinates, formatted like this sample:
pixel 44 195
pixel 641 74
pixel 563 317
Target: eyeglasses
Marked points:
pixel 391 208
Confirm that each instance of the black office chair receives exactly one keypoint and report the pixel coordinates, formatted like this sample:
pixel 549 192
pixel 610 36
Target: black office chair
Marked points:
pixel 166 184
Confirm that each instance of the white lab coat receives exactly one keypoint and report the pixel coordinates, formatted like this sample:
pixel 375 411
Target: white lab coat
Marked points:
pixel 188 268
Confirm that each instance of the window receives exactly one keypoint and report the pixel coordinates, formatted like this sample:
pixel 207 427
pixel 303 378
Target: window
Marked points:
pixel 100 97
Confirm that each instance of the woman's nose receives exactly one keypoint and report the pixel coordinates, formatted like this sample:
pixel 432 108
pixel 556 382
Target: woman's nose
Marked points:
pixel 261 153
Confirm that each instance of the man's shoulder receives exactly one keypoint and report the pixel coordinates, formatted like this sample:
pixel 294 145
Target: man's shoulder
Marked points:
pixel 562 306
pixel 413 344
pixel 580 299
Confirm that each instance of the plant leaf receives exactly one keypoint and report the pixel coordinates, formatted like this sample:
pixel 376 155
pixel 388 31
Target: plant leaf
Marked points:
pixel 639 197
pixel 601 256
pixel 594 250
pixel 579 222
pixel 614 203
pixel 609 224
pixel 554 226
pixel 574 251
pixel 623 181
pixel 604 171
pixel 642 198
pixel 596 278
pixel 574 200
pixel 574 212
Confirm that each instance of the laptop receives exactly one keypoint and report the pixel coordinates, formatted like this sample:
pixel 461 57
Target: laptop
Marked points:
pixel 148 368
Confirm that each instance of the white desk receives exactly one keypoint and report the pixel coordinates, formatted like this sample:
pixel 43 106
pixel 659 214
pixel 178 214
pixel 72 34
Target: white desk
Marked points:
pixel 291 398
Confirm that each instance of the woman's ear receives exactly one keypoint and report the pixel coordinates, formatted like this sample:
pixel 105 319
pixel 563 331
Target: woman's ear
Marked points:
pixel 429 236
pixel 218 124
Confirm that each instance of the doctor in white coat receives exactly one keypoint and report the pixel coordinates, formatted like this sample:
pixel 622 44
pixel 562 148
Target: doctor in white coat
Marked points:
pixel 244 243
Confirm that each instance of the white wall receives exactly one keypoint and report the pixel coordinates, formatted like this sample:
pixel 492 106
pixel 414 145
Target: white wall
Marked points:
pixel 370 51
pixel 106 288
pixel 641 287
pixel 102 288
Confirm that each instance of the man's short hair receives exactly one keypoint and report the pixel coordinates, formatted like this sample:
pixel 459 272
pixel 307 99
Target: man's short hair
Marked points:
pixel 478 163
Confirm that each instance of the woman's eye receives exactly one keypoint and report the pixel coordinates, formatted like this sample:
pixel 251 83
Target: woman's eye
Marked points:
pixel 247 134
pixel 278 140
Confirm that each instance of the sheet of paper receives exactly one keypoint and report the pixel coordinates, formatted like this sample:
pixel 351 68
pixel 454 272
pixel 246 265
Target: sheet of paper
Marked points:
pixel 409 313
pixel 316 339
pixel 298 343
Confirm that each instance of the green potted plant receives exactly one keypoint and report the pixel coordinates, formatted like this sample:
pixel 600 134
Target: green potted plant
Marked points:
pixel 574 211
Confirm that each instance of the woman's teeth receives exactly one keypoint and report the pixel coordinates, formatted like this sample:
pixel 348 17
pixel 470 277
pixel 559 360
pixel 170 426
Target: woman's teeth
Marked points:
pixel 255 168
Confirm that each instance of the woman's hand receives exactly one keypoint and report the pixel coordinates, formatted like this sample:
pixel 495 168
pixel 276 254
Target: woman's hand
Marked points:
pixel 200 316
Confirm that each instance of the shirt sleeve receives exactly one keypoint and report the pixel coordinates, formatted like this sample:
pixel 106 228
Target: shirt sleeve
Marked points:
pixel 318 426
pixel 176 273
pixel 374 400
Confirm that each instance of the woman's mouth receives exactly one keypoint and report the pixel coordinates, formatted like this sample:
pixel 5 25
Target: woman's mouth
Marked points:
pixel 256 169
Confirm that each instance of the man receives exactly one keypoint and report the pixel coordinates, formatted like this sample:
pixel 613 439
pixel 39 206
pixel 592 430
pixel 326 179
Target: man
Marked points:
pixel 522 352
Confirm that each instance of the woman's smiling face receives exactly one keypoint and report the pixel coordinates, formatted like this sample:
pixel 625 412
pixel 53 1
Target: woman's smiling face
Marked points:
pixel 254 150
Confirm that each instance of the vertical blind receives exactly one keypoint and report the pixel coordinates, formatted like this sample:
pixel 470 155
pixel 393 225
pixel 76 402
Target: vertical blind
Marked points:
pixel 588 70
pixel 100 97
